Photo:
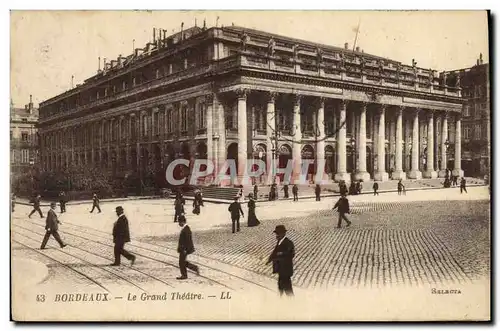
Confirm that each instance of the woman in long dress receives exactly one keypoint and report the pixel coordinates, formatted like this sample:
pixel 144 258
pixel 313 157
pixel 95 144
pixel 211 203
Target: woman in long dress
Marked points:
pixel 252 218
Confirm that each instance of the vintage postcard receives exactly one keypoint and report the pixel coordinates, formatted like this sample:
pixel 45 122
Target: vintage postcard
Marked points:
pixel 250 166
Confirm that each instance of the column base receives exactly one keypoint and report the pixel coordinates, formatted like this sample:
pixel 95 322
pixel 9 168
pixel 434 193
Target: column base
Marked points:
pixel 362 176
pixel 430 174
pixel 398 174
pixel 458 172
pixel 342 176
pixel 442 173
pixel 415 174
pixel 381 176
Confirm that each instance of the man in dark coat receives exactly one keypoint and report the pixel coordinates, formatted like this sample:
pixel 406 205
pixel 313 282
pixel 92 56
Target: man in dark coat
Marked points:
pixel 285 191
pixel 236 211
pixel 62 201
pixel 342 206
pixel 51 227
pixel 375 188
pixel 184 248
pixel 121 235
pixel 295 191
pixel 179 206
pixel 462 185
pixel 95 203
pixel 317 192
pixel 36 206
pixel 282 259
pixel 400 187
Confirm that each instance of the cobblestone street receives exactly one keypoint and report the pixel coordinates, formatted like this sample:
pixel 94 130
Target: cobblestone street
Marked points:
pixel 406 243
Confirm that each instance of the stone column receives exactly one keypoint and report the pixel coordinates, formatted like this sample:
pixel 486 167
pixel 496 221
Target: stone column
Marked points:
pixel 381 174
pixel 362 174
pixel 398 172
pixel 242 133
pixel 415 153
pixel 342 173
pixel 270 131
pixel 444 138
pixel 458 148
pixel 221 134
pixel 320 145
pixel 430 172
pixel 297 138
pixel 209 104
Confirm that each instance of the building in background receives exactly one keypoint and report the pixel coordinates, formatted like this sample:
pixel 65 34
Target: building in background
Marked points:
pixel 476 133
pixel 237 93
pixel 23 138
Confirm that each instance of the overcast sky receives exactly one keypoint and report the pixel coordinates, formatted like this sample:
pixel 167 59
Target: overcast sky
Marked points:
pixel 47 48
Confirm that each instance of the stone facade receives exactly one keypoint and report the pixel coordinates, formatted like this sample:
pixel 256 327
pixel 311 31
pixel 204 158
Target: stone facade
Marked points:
pixel 234 93
pixel 23 138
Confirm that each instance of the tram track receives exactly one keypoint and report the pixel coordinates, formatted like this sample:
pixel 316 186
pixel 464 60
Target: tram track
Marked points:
pixel 170 259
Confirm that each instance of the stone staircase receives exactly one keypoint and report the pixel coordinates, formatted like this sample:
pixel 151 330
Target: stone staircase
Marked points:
pixel 216 193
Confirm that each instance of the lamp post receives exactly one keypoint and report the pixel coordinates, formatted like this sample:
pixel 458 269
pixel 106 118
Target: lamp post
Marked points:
pixel 353 145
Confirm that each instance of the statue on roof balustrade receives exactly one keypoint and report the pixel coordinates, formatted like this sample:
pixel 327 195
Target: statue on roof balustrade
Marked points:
pixel 271 46
pixel 381 65
pixel 319 55
pixel 244 40
pixel 295 52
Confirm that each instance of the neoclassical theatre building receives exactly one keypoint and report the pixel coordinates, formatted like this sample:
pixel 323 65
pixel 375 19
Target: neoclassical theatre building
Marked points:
pixel 235 93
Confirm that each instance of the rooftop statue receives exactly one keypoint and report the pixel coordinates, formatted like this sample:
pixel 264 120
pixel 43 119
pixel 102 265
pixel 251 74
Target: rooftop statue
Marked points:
pixel 271 46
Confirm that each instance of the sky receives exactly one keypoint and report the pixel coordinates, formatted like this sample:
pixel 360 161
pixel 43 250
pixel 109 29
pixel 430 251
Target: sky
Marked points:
pixel 48 47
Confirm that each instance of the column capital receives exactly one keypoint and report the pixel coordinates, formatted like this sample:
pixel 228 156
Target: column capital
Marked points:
pixel 209 98
pixel 297 98
pixel 383 107
pixel 242 94
pixel 271 96
pixel 320 102
pixel 364 105
pixel 344 102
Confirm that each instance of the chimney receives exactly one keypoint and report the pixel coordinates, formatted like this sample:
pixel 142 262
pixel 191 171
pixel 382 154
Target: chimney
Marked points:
pixel 480 58
pixel 30 106
pixel 346 46
pixel 149 47
pixel 99 65
pixel 138 51
pixel 362 51
pixel 113 63
pixel 477 62
pixel 120 60
pixel 357 49
pixel 154 34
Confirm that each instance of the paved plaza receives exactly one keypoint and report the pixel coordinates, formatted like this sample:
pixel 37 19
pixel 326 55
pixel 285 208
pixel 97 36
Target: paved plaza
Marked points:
pixel 438 237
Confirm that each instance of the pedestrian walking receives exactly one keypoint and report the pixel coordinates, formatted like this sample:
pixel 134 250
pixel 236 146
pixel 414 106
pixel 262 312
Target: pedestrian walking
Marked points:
pixel 282 260
pixel 375 188
pixel 462 185
pixel 252 218
pixel 359 187
pixel 62 201
pixel 51 227
pixel 236 211
pixel 178 206
pixel 295 192
pixel 121 236
pixel 36 206
pixel 285 191
pixel 184 248
pixel 317 192
pixel 400 187
pixel 95 203
pixel 343 208
pixel 13 201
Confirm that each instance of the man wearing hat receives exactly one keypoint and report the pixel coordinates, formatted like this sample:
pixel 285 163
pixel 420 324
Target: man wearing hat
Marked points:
pixel 235 210
pixel 51 227
pixel 184 248
pixel 343 208
pixel 95 203
pixel 36 206
pixel 121 235
pixel 282 259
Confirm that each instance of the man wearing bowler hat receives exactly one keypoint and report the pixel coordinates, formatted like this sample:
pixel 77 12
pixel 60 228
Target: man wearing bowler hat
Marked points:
pixel 51 227
pixel 121 235
pixel 282 259
pixel 184 248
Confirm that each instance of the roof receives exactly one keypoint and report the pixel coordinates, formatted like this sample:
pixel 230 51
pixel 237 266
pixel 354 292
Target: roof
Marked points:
pixel 16 112
pixel 302 41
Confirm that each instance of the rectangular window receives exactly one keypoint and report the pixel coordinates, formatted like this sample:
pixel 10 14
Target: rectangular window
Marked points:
pixel 24 156
pixel 477 132
pixel 24 136
pixel 169 120
pixel 144 125
pixel 467 111
pixel 202 120
pixel 184 125
pixel 11 134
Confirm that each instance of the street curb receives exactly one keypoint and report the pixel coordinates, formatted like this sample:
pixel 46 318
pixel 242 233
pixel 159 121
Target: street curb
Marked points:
pixel 221 201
